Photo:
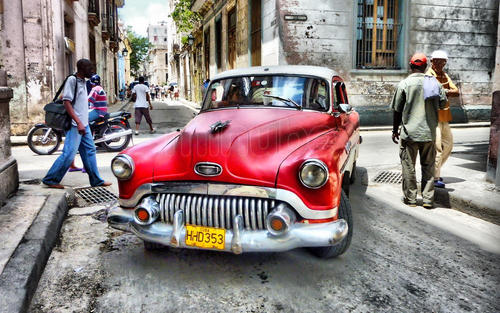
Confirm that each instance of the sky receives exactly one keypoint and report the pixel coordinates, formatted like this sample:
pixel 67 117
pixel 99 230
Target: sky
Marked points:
pixel 140 13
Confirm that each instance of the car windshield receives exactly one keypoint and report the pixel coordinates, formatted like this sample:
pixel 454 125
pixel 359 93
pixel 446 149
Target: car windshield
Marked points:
pixel 272 90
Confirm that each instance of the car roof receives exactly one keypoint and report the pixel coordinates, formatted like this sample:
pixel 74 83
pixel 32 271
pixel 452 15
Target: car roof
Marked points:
pixel 307 70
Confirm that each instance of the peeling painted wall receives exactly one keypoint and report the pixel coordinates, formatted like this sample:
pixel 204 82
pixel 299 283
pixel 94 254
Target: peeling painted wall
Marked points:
pixel 34 59
pixel 466 29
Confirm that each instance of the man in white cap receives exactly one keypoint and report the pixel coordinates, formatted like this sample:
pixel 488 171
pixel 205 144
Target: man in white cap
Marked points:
pixel 444 137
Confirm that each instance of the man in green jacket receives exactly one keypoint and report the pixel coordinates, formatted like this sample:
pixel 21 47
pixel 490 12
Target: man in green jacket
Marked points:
pixel 418 118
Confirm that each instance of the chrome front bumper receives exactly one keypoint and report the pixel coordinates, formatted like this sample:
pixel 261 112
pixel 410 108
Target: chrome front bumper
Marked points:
pixel 238 239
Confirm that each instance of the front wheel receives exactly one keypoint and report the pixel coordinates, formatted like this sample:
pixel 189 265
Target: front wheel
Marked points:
pixel 116 144
pixel 334 251
pixel 43 140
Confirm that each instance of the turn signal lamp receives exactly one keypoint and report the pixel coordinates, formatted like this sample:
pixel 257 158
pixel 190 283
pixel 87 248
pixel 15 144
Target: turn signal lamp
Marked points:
pixel 147 211
pixel 280 220
pixel 142 214
pixel 277 224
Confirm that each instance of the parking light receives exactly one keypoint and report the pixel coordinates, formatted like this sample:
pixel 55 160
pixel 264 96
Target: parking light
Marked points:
pixel 147 211
pixel 280 219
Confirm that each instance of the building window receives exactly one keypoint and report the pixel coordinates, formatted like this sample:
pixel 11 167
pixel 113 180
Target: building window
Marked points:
pixel 231 39
pixel 218 42
pixel 255 35
pixel 155 38
pixel 378 34
pixel 166 58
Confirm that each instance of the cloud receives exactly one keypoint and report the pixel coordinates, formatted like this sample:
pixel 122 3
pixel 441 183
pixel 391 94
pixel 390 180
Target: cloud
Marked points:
pixel 140 14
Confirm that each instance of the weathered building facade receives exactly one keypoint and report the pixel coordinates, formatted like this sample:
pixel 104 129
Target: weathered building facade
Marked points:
pixel 157 71
pixel 43 39
pixel 124 51
pixel 368 42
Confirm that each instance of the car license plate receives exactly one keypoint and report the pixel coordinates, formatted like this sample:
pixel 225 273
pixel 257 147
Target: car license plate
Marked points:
pixel 205 237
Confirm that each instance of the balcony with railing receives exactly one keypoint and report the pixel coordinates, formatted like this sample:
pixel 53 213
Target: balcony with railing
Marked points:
pixel 93 13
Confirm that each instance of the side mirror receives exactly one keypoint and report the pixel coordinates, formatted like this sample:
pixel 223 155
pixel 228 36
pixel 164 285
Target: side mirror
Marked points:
pixel 345 108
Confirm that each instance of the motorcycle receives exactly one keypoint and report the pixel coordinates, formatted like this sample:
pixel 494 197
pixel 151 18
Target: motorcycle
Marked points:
pixel 111 131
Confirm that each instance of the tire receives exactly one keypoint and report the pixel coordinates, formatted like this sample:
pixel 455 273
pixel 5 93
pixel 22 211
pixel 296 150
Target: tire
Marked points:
pixel 334 251
pixel 352 175
pixel 35 136
pixel 153 246
pixel 118 144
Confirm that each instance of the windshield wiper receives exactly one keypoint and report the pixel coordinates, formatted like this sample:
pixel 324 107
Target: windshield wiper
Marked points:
pixel 285 100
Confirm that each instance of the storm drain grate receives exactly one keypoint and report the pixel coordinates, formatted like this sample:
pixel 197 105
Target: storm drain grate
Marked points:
pixel 388 177
pixel 94 195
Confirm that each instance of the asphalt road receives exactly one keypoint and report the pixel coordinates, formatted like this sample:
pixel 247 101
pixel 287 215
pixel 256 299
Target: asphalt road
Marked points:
pixel 398 262
pixel 401 260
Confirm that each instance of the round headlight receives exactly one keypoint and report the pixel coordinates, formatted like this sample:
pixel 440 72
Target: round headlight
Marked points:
pixel 313 174
pixel 122 166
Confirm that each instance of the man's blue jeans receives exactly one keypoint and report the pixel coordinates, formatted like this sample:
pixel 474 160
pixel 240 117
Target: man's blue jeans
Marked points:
pixel 75 142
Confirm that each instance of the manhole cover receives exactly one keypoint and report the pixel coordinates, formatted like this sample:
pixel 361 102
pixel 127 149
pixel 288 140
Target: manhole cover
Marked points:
pixel 388 177
pixel 94 195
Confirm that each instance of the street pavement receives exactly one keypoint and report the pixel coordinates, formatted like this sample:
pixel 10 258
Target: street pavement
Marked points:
pixel 401 259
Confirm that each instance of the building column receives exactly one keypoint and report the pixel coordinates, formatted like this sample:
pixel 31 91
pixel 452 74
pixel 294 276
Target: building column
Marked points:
pixel 9 176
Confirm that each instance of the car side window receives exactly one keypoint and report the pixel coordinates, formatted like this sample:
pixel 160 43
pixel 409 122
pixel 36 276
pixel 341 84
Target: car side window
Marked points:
pixel 344 93
pixel 317 92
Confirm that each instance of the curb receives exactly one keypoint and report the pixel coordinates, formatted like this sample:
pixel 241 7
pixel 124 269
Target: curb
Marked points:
pixel 458 125
pixel 467 205
pixel 19 280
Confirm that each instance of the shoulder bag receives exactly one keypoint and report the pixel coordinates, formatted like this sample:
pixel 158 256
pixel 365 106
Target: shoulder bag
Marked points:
pixel 56 115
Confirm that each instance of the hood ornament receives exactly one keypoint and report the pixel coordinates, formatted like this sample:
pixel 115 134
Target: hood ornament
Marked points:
pixel 219 126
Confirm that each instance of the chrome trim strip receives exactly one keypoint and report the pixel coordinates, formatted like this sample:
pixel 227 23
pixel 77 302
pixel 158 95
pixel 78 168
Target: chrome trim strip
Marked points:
pixel 349 159
pixel 214 189
pixel 238 239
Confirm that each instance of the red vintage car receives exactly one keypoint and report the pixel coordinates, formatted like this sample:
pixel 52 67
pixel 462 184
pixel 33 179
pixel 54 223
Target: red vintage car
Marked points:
pixel 264 166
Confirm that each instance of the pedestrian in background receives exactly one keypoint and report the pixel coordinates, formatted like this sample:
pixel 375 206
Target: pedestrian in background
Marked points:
pixel 444 137
pixel 204 87
pixel 157 91
pixel 141 98
pixel 163 92
pixel 122 94
pixel 78 137
pixel 152 91
pixel 418 117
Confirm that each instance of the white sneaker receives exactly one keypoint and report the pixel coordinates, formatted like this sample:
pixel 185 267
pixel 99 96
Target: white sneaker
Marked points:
pixel 136 133
pixel 152 131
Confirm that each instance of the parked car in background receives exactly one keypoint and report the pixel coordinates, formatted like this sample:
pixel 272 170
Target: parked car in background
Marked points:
pixel 265 166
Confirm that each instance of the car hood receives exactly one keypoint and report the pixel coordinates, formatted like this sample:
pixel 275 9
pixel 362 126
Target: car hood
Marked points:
pixel 249 150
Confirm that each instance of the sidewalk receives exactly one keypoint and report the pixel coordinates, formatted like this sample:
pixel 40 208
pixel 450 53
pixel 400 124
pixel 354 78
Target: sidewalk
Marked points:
pixel 464 175
pixel 29 228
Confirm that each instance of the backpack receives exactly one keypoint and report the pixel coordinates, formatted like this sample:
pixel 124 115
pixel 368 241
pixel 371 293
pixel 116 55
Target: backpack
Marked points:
pixel 55 113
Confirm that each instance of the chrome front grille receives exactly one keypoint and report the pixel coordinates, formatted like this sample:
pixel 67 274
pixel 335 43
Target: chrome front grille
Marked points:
pixel 215 211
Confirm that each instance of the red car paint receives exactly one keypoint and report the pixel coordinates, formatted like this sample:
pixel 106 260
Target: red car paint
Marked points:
pixel 261 146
